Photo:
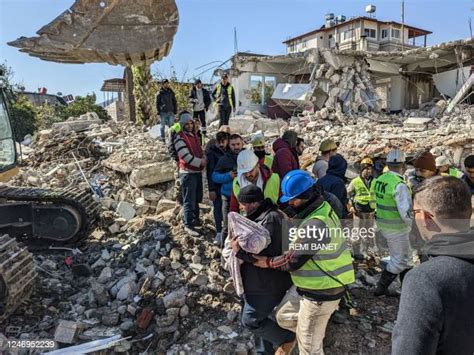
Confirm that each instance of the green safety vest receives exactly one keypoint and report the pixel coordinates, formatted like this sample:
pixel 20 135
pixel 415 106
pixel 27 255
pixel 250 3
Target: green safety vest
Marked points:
pixel 388 217
pixel 455 172
pixel 271 189
pixel 362 193
pixel 229 93
pixel 328 268
pixel 176 127
pixel 268 161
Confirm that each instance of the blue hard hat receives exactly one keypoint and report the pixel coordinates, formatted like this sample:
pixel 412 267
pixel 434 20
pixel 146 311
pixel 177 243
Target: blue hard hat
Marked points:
pixel 294 184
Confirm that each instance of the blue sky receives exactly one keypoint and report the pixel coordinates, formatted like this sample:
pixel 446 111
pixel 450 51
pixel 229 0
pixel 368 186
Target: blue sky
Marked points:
pixel 206 33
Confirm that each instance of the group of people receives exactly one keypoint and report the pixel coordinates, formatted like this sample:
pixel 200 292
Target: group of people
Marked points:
pixel 431 201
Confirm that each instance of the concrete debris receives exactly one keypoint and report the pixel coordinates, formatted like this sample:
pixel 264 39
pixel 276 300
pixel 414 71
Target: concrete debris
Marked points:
pixel 86 34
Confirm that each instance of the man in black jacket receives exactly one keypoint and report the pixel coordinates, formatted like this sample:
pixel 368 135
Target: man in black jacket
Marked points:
pixel 263 288
pixel 224 96
pixel 436 313
pixel 166 106
pixel 213 154
pixel 201 99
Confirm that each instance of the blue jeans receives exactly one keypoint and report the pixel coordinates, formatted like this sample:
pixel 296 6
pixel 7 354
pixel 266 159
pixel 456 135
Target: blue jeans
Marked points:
pixel 167 119
pixel 217 203
pixel 191 189
pixel 255 317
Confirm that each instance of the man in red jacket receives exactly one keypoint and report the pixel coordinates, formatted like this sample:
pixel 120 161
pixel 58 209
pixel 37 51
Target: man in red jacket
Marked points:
pixel 250 172
pixel 286 156
pixel 192 162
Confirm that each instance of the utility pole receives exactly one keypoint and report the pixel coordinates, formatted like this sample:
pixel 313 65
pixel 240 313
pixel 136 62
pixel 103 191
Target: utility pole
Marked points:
pixel 236 49
pixel 403 25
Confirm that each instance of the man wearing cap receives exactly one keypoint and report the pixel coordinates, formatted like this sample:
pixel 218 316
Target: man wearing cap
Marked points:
pixel 327 148
pixel 250 172
pixel 191 163
pixel 224 96
pixel 286 157
pixel 201 99
pixel 394 219
pixel 425 167
pixel 362 204
pixel 319 272
pixel 263 288
pixel 258 144
pixel 166 106
pixel 443 165
pixel 224 174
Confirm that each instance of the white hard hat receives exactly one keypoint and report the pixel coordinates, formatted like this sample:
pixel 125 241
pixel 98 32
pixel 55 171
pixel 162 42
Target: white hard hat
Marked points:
pixel 246 161
pixel 396 156
pixel 442 161
pixel 436 151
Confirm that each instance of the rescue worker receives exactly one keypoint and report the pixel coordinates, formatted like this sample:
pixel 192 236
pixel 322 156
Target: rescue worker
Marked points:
pixel 393 216
pixel 249 171
pixel 425 167
pixel 362 206
pixel 319 276
pixel 328 148
pixel 443 164
pixel 224 97
pixel 258 144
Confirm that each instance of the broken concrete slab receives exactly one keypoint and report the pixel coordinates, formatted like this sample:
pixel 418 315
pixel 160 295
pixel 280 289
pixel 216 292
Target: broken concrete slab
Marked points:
pixel 152 174
pixel 67 331
pixel 126 210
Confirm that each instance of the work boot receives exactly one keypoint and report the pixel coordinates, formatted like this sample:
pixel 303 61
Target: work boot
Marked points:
pixel 403 273
pixel 286 348
pixel 385 280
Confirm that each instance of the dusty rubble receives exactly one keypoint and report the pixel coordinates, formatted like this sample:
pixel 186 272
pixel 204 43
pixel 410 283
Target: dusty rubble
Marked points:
pixel 140 277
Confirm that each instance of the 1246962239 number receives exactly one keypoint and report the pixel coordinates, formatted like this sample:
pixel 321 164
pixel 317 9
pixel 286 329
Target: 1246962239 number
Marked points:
pixel 31 344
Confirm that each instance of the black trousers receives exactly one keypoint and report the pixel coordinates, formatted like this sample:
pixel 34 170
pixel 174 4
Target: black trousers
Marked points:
pixel 224 115
pixel 202 117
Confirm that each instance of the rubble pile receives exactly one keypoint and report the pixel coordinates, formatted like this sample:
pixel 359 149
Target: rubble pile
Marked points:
pixel 129 171
pixel 374 134
pixel 345 79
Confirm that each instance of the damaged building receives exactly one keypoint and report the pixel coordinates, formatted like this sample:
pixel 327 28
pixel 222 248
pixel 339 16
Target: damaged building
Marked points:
pixel 351 81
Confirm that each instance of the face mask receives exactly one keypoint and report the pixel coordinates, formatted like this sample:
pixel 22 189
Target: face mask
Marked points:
pixel 260 153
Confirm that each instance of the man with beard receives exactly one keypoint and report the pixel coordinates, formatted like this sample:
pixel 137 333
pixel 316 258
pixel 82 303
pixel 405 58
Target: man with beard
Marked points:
pixel 213 154
pixel 250 172
pixel 224 174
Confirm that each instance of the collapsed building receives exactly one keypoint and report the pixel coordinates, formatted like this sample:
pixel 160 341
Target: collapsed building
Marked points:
pixel 351 81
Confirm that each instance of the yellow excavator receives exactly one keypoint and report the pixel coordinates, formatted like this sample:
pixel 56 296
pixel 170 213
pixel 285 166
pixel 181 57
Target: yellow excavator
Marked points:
pixel 117 32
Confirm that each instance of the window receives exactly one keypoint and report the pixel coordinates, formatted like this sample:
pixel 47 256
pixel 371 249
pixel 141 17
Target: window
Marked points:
pixel 304 44
pixel 384 33
pixel 395 33
pixel 368 32
pixel 261 88
pixel 346 35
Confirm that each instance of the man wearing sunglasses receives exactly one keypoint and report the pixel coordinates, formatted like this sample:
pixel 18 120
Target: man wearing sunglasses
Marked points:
pixel 436 306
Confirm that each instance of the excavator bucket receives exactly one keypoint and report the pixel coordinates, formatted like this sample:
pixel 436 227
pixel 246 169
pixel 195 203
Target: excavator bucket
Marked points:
pixel 117 32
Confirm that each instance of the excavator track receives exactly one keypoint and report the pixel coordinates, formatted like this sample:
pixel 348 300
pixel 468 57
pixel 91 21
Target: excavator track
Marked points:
pixel 17 275
pixel 56 216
